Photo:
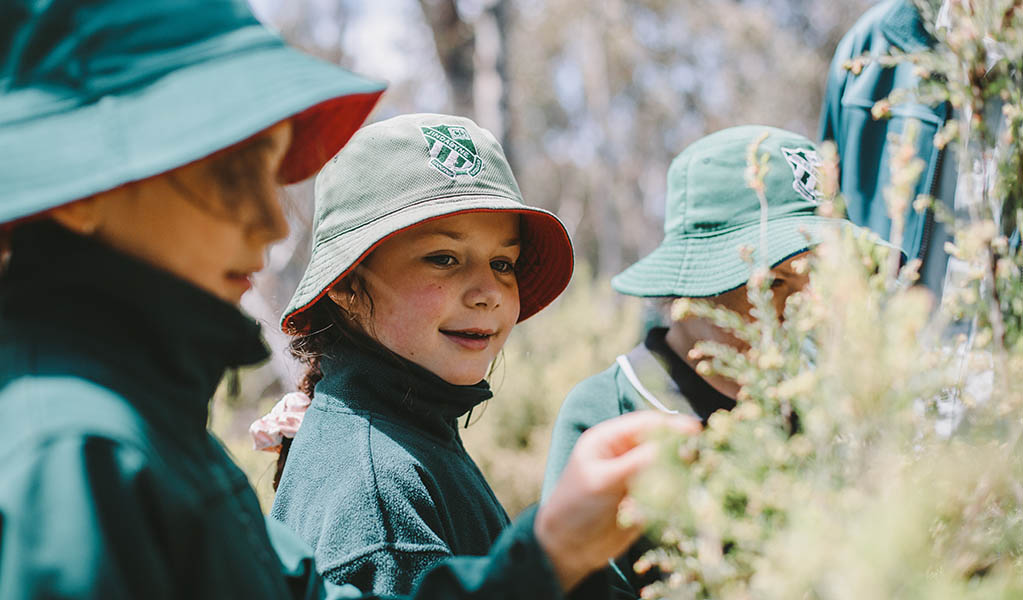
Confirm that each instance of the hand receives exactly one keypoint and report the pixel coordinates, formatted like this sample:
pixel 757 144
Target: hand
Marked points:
pixel 578 525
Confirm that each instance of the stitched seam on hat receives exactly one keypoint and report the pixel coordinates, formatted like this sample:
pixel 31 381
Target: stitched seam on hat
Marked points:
pixel 441 199
pixel 685 210
pixel 306 286
pixel 521 208
pixel 810 217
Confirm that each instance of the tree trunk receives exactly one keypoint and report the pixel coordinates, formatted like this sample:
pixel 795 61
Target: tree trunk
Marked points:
pixel 455 41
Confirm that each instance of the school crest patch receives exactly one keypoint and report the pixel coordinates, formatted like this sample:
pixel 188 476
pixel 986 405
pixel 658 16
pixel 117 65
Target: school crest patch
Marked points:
pixel 805 165
pixel 452 151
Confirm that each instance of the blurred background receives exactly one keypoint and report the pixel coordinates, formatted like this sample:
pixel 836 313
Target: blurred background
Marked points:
pixel 591 100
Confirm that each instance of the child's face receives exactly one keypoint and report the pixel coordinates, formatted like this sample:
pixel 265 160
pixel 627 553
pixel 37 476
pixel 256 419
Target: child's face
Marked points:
pixel 787 281
pixel 685 333
pixel 444 293
pixel 190 223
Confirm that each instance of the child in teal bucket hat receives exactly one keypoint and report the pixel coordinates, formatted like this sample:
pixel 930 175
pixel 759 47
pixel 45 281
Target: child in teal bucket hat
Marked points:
pixel 141 146
pixel 424 257
pixel 710 215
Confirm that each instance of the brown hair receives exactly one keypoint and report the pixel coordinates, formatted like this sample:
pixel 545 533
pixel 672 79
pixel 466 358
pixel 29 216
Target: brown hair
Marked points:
pixel 328 324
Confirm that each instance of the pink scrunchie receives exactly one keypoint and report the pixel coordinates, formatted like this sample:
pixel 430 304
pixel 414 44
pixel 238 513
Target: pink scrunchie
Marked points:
pixel 281 422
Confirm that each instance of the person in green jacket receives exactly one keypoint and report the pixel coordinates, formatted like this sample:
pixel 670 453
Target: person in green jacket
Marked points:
pixel 142 144
pixel 710 215
pixel 424 258
pixel 856 83
pixel 854 86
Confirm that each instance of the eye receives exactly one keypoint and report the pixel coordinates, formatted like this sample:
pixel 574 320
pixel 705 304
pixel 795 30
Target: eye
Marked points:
pixel 502 266
pixel 441 260
pixel 777 283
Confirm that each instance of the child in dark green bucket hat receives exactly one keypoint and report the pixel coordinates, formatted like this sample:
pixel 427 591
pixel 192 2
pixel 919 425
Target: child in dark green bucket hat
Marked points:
pixel 710 216
pixel 141 145
pixel 424 257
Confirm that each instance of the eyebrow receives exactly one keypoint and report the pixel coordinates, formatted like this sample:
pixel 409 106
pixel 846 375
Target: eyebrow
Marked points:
pixel 457 236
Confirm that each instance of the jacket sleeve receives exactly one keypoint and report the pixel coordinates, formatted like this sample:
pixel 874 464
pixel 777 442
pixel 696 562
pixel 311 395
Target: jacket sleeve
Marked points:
pixel 88 493
pixel 516 568
pixel 838 75
pixel 593 400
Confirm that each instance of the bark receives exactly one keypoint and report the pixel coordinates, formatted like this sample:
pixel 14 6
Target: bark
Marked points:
pixel 455 40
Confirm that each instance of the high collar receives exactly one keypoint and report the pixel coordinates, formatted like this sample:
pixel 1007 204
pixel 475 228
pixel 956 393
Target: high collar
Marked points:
pixel 904 27
pixel 702 396
pixel 373 380
pixel 99 314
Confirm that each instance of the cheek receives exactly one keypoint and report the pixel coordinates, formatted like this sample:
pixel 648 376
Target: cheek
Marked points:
pixel 514 307
pixel 404 315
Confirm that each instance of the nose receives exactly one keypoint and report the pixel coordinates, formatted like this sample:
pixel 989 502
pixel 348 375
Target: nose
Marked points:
pixel 484 289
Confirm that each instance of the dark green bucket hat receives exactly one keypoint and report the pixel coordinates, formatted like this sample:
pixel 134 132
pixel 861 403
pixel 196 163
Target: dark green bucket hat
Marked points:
pixel 711 214
pixel 404 171
pixel 97 94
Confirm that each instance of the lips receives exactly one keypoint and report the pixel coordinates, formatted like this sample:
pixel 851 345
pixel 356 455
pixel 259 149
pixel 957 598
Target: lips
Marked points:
pixel 239 278
pixel 471 339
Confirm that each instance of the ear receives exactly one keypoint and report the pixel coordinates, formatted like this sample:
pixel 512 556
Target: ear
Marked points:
pixel 81 216
pixel 340 296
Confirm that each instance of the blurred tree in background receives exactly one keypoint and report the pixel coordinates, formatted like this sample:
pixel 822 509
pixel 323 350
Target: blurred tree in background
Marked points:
pixel 591 100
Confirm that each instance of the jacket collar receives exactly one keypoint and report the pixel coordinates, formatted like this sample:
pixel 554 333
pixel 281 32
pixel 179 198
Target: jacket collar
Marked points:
pixel 373 380
pixel 904 27
pixel 666 382
pixel 96 313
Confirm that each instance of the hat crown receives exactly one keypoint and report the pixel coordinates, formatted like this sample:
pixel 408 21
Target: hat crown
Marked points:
pixel 707 192
pixel 73 51
pixel 406 160
pixel 95 94
pixel 399 173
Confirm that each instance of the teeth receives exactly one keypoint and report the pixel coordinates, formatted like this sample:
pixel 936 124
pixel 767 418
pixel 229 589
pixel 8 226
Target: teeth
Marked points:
pixel 470 334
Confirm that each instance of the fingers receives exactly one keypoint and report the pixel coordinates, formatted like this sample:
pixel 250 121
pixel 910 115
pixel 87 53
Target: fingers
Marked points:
pixel 618 436
pixel 623 467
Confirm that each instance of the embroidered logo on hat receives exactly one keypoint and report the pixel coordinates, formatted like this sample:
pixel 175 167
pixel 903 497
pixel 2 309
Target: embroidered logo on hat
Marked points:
pixel 805 164
pixel 452 151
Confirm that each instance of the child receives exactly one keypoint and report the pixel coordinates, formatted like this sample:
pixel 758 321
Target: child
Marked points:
pixel 710 214
pixel 142 146
pixel 424 258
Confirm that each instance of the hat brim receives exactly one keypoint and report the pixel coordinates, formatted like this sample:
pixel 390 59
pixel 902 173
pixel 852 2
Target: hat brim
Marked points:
pixel 543 269
pixel 183 116
pixel 709 265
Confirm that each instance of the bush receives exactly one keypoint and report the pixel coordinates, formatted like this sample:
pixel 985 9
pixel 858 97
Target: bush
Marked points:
pixel 872 454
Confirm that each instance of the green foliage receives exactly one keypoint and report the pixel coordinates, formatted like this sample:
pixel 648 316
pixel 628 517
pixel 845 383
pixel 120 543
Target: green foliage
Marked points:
pixel 872 454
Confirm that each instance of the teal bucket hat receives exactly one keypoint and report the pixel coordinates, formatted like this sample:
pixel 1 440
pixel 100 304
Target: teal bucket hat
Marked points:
pixel 94 95
pixel 711 214
pixel 410 169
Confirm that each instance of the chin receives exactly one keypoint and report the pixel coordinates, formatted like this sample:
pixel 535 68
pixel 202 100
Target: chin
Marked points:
pixel 464 378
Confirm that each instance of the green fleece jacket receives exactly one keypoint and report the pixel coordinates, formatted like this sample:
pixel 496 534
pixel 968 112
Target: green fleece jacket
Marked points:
pixel 111 486
pixel 377 479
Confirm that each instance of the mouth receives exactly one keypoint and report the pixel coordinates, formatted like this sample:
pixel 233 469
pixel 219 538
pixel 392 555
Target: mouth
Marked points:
pixel 472 339
pixel 242 279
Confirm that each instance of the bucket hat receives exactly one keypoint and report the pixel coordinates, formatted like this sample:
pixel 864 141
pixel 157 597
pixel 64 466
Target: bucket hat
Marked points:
pixel 711 213
pixel 97 94
pixel 410 169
